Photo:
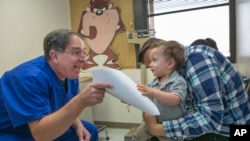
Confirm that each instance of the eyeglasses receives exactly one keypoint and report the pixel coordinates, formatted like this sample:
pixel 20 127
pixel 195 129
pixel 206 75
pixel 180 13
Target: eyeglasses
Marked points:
pixel 78 54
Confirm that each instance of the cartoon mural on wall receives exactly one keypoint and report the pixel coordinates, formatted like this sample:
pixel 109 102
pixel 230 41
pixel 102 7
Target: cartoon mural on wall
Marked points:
pixel 99 23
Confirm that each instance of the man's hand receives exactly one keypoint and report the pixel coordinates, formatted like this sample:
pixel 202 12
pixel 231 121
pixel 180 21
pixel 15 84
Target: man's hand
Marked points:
pixel 81 131
pixel 83 134
pixel 94 93
pixel 154 128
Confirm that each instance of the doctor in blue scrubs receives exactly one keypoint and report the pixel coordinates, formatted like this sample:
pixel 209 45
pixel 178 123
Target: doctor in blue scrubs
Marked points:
pixel 40 99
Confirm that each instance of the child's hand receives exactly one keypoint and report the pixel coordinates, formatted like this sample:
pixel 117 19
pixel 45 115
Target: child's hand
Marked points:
pixel 146 91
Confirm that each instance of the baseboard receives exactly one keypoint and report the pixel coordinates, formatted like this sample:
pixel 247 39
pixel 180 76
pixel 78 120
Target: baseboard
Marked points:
pixel 117 124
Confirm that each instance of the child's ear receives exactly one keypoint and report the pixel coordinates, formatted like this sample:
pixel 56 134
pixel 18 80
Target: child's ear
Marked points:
pixel 171 63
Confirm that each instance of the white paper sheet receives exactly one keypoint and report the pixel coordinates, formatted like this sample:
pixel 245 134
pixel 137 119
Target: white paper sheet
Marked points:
pixel 124 89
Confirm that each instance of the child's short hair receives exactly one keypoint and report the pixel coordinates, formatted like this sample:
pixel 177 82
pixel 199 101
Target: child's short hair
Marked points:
pixel 172 49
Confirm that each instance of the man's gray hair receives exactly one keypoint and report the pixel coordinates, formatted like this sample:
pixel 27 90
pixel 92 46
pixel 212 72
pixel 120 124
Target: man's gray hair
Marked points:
pixel 57 40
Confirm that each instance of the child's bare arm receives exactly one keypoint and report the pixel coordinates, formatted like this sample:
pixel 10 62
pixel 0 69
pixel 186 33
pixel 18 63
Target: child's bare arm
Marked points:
pixel 167 98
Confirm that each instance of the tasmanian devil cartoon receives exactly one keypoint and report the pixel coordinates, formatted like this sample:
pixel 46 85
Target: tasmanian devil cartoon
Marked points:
pixel 99 23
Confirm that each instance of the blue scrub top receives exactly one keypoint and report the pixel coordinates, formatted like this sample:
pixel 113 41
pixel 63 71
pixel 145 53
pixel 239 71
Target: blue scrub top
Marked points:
pixel 29 92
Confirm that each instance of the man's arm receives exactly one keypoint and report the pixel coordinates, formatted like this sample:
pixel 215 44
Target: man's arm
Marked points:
pixel 154 128
pixel 55 124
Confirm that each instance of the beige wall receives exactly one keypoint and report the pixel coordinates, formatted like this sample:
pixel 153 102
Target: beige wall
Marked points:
pixel 243 34
pixel 23 25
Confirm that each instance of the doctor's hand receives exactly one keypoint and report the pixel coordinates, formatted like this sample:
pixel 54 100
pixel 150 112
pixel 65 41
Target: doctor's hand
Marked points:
pixel 94 93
